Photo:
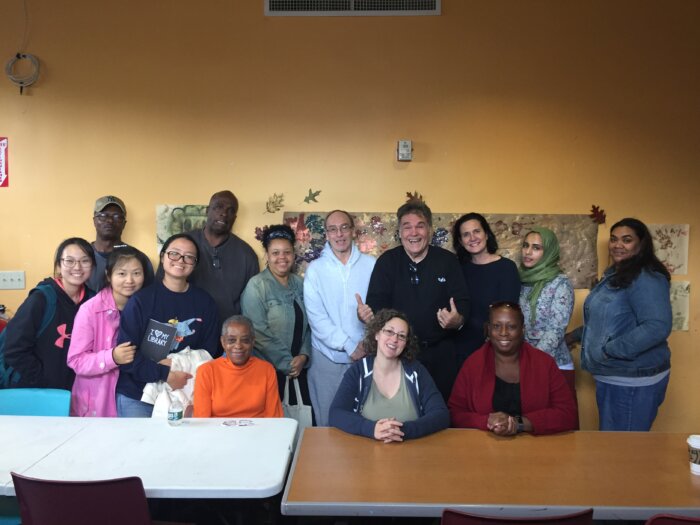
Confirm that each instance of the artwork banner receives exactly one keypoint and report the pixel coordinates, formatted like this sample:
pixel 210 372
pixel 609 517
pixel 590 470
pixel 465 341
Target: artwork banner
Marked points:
pixel 377 232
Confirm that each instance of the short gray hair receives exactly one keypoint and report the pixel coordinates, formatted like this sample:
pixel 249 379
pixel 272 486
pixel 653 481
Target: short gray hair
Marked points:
pixel 238 319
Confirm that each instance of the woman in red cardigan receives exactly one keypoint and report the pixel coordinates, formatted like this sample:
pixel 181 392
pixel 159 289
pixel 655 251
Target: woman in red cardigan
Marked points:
pixel 509 386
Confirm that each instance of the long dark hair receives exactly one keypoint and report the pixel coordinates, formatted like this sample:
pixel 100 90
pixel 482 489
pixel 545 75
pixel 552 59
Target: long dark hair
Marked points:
pixel 491 242
pixel 628 270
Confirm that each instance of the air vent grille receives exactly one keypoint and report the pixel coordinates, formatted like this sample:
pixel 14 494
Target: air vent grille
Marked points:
pixel 351 7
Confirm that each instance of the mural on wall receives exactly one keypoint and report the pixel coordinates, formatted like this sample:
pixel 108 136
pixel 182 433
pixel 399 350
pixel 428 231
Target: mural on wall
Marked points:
pixel 671 246
pixel 680 299
pixel 377 232
pixel 178 218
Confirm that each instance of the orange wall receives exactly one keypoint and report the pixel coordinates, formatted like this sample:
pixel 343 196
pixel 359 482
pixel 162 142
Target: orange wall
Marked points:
pixel 538 107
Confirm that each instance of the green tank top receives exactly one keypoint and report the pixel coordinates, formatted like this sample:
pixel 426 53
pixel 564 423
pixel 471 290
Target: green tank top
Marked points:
pixel 400 407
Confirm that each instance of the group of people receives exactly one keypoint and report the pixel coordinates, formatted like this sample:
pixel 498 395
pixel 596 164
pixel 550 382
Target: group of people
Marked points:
pixel 393 348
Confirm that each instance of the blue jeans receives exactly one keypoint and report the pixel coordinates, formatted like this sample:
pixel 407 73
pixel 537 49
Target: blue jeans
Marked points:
pixel 629 408
pixel 127 407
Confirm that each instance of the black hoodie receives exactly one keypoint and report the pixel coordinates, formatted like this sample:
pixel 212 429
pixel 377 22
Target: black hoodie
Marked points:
pixel 40 359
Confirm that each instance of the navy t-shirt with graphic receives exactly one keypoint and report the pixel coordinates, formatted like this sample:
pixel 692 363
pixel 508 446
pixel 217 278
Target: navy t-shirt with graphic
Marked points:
pixel 193 312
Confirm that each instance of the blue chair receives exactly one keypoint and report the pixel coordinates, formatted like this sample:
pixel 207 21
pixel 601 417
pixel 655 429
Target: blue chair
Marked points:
pixel 9 511
pixel 29 402
pixel 34 402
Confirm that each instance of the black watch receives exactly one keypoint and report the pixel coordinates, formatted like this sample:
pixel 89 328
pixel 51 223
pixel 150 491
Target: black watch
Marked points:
pixel 521 425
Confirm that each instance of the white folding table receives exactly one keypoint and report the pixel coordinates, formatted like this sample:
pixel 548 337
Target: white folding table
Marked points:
pixel 202 458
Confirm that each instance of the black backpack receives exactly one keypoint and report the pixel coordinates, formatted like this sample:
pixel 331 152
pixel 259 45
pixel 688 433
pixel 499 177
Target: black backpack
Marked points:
pixel 8 376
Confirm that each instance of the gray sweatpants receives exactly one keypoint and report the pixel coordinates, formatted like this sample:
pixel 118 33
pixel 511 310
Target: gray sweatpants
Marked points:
pixel 324 378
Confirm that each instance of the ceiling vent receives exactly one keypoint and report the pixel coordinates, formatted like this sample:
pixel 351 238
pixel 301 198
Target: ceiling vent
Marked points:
pixel 351 7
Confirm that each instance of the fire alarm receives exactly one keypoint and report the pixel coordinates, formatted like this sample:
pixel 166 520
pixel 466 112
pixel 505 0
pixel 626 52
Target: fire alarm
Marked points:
pixel 404 151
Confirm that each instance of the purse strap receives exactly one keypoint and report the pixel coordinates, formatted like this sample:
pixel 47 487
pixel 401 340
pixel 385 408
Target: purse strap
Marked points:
pixel 285 400
pixel 297 390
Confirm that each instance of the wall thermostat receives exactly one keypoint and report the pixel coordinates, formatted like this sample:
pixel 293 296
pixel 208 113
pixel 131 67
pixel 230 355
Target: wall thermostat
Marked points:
pixel 404 150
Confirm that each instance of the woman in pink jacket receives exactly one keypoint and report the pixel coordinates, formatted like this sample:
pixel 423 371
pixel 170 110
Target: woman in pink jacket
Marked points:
pixel 93 354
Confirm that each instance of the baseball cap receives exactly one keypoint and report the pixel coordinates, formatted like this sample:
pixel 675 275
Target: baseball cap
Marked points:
pixel 103 202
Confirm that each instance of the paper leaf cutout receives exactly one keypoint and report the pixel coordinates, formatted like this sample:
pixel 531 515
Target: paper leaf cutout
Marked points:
pixel 274 203
pixel 415 196
pixel 597 214
pixel 311 197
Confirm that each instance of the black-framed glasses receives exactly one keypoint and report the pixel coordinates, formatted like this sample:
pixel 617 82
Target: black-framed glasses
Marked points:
pixel 114 217
pixel 177 256
pixel 85 262
pixel 391 334
pixel 413 268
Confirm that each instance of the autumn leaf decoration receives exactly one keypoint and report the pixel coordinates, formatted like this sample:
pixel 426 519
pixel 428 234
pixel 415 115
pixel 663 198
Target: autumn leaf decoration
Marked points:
pixel 274 203
pixel 597 214
pixel 415 196
pixel 311 197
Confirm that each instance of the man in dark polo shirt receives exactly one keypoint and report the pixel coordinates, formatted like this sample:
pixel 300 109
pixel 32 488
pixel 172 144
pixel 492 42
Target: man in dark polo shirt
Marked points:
pixel 427 284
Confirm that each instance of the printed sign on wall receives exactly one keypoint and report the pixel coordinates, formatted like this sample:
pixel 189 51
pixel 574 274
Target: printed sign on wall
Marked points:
pixel 4 176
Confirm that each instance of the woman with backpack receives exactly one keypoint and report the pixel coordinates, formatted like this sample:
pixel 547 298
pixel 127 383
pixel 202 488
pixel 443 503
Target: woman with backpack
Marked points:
pixel 38 336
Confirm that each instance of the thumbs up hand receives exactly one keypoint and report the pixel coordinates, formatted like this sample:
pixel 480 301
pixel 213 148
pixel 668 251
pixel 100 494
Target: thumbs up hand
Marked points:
pixel 449 318
pixel 364 312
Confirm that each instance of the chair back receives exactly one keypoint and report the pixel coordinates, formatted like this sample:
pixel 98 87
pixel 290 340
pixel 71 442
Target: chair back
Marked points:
pixel 119 501
pixel 34 402
pixel 456 517
pixel 671 519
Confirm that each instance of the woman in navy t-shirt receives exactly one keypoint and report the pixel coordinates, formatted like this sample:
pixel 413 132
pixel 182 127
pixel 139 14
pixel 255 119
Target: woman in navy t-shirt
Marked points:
pixel 173 301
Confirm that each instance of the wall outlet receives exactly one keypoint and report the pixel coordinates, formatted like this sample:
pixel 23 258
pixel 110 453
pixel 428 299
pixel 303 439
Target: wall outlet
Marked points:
pixel 12 280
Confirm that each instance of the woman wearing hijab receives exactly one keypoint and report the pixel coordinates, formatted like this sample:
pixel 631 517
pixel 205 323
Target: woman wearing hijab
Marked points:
pixel 546 299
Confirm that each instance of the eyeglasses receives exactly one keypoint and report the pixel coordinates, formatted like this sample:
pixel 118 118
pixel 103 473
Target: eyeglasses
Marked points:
pixel 215 261
pixel 343 228
pixel 177 256
pixel 114 217
pixel 391 334
pixel 70 263
pixel 414 273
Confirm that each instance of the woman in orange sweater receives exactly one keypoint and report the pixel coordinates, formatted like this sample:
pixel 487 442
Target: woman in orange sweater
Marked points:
pixel 236 384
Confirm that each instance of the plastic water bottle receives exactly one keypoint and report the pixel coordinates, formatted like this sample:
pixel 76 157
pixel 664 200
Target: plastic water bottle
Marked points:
pixel 176 412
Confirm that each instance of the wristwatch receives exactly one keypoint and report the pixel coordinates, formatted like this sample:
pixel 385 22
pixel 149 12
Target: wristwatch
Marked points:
pixel 521 425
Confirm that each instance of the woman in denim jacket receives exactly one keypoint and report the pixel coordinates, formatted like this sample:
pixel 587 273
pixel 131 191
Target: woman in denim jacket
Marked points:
pixel 274 301
pixel 627 319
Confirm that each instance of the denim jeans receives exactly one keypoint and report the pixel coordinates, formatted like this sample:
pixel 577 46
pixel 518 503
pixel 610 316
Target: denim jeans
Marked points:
pixel 629 408
pixel 127 407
